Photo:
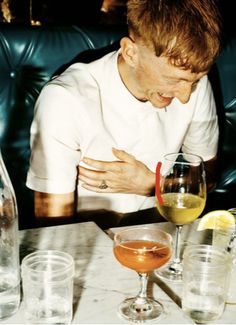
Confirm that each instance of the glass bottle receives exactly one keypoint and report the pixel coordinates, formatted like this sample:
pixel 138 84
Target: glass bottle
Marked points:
pixel 9 247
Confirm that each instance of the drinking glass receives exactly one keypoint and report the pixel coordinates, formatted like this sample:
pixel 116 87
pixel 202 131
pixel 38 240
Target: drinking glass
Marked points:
pixel 205 282
pixel 224 236
pixel 181 200
pixel 47 279
pixel 142 249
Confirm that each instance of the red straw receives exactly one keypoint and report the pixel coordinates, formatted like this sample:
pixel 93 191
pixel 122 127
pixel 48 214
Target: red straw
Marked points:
pixel 158 175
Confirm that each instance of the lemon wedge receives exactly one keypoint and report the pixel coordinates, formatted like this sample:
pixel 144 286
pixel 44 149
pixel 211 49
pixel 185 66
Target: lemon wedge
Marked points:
pixel 217 219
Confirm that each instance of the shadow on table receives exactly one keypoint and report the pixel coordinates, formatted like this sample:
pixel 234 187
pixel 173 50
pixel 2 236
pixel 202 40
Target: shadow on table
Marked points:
pixel 108 219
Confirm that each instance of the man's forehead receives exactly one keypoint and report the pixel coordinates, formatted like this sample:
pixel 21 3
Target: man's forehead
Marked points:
pixel 150 56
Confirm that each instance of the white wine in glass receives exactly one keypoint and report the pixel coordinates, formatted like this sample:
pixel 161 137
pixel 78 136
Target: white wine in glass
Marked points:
pixel 143 250
pixel 183 197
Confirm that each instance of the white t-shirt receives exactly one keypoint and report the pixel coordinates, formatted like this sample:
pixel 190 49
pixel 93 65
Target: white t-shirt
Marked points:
pixel 87 110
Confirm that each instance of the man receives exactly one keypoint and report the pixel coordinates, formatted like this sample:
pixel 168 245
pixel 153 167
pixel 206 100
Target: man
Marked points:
pixel 106 124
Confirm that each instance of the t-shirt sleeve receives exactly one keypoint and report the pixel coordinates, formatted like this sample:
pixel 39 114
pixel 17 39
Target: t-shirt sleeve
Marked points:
pixel 203 133
pixel 55 142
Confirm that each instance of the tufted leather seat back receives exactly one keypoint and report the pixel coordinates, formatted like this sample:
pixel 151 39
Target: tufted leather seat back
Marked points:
pixel 223 79
pixel 30 56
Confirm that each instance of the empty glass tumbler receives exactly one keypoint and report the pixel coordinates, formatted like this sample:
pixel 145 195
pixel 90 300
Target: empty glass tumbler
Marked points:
pixel 224 236
pixel 47 277
pixel 9 247
pixel 206 272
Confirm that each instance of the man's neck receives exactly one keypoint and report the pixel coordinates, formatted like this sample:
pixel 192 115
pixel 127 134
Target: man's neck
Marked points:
pixel 127 76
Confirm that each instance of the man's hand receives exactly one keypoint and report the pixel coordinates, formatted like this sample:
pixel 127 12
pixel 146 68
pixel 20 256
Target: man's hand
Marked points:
pixel 126 175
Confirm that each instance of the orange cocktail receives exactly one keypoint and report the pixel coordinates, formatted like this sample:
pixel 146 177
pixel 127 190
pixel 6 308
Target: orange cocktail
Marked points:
pixel 141 255
pixel 142 249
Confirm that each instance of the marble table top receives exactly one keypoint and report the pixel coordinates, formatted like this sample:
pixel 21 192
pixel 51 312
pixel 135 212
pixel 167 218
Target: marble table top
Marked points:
pixel 101 283
pixel 189 235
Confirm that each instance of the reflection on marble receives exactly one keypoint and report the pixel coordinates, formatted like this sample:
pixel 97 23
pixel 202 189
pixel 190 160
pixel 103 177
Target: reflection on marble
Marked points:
pixel 101 283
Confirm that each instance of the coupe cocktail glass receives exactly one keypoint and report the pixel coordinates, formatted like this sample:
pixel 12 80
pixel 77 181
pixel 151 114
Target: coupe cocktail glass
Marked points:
pixel 183 192
pixel 142 249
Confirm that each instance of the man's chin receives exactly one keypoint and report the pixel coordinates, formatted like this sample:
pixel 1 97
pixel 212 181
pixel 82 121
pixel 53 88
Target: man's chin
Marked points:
pixel 161 104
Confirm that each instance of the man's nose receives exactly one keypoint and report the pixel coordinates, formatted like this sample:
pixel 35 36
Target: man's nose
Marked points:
pixel 183 93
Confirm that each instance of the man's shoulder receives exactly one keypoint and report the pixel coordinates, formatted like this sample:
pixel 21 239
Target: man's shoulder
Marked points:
pixel 74 75
pixel 82 78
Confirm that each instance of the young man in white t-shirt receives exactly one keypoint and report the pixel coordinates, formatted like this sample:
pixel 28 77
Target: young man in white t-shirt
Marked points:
pixel 100 128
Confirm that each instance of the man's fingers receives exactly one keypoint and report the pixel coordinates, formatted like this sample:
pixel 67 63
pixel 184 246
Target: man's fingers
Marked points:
pixel 97 189
pixel 90 173
pixel 98 164
pixel 89 181
pixel 123 155
pixel 103 166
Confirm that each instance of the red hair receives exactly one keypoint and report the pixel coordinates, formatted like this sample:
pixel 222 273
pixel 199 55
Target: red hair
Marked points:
pixel 186 31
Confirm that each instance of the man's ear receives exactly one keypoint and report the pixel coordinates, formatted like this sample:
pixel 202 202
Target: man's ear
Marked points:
pixel 129 51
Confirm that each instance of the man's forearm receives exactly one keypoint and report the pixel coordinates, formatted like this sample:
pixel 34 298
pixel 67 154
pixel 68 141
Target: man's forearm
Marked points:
pixel 54 209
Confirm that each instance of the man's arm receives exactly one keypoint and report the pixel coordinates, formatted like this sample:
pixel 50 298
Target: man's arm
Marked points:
pixel 129 175
pixel 126 175
pixel 52 209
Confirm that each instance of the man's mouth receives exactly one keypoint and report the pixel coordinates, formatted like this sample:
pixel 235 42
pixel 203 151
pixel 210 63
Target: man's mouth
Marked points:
pixel 164 98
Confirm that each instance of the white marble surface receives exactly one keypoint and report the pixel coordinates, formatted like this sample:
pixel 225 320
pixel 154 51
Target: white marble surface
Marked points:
pixel 101 283
pixel 189 235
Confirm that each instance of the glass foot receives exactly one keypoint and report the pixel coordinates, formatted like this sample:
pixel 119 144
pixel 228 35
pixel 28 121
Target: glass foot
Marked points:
pixel 133 310
pixel 170 273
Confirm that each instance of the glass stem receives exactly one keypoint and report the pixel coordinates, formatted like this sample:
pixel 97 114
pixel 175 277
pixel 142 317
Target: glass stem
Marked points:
pixel 175 265
pixel 143 277
pixel 142 295
pixel 141 304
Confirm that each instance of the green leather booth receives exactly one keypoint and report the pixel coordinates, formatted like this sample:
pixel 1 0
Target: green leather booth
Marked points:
pixel 30 56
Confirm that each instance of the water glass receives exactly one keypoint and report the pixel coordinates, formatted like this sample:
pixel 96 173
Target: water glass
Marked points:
pixel 47 278
pixel 225 237
pixel 222 234
pixel 231 295
pixel 206 272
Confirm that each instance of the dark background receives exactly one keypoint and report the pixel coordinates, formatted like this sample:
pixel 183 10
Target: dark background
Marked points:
pixel 66 12
pixel 89 12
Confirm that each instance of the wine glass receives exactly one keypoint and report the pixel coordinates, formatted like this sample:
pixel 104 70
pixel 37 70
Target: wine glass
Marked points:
pixel 181 198
pixel 142 249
